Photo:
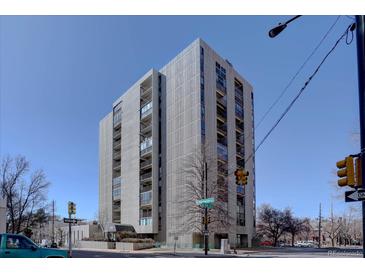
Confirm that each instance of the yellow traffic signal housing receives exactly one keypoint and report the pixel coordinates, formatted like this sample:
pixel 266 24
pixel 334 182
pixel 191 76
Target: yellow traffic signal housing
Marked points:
pixel 71 208
pixel 241 176
pixel 346 172
pixel 358 172
pixel 245 177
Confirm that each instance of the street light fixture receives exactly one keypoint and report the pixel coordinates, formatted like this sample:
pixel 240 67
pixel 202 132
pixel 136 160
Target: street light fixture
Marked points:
pixel 275 31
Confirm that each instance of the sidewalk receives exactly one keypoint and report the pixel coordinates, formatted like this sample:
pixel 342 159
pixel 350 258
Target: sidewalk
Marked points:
pixel 152 250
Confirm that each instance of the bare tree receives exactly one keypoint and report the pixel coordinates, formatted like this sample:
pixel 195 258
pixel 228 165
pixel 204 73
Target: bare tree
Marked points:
pixel 295 226
pixel 24 195
pixel 332 227
pixel 194 187
pixel 272 222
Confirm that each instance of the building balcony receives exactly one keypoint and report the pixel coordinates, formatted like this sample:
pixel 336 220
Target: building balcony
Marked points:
pixel 146 110
pixel 117 145
pixel 146 151
pixel 222 114
pixel 146 129
pixel 146 188
pixel 239 126
pixel 117 135
pixel 145 221
pixel 146 177
pixel 116 194
pixel 222 129
pixel 221 89
pixel 117 182
pixel 146 198
pixel 117 155
pixel 146 146
pixel 117 167
pixel 146 164
pixel 146 91
pixel 222 141
pixel 117 120
pixel 222 102
pixel 116 208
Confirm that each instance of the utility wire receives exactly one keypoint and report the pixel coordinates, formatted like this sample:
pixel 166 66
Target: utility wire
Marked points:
pixel 297 73
pixel 349 28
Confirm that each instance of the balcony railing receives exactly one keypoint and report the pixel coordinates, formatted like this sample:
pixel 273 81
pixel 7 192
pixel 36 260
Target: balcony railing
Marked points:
pixel 146 188
pixel 116 155
pixel 220 87
pixel 117 135
pixel 146 109
pixel 222 101
pixel 117 182
pixel 116 194
pixel 146 176
pixel 221 114
pixel 117 167
pixel 145 91
pixel 145 221
pixel 146 198
pixel 117 118
pixel 117 145
pixel 146 146
pixel 146 163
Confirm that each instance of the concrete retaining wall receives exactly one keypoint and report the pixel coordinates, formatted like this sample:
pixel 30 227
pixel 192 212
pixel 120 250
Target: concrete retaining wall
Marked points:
pixel 96 245
pixel 132 246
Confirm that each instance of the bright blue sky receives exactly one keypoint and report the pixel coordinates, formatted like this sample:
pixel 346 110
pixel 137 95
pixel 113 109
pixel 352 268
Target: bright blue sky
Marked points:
pixel 60 75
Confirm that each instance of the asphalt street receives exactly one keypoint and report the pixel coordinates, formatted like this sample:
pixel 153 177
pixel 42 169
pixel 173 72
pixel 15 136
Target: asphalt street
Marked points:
pixel 287 252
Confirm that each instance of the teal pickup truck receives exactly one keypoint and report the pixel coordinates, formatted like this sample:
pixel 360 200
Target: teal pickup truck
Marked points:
pixel 19 246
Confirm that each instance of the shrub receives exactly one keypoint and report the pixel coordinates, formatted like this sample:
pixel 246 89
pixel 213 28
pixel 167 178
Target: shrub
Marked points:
pixel 120 235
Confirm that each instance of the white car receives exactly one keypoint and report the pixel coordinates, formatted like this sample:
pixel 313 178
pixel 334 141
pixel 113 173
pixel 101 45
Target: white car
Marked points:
pixel 44 243
pixel 305 244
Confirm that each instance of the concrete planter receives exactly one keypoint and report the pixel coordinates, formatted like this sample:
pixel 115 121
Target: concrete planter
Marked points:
pixel 96 245
pixel 132 246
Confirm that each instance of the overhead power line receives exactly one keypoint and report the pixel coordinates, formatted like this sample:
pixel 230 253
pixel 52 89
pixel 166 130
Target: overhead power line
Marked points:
pixel 345 34
pixel 297 73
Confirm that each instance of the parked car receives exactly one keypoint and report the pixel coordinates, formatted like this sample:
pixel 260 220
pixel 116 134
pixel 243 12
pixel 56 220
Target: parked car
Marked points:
pixel 19 246
pixel 44 243
pixel 305 244
pixel 266 243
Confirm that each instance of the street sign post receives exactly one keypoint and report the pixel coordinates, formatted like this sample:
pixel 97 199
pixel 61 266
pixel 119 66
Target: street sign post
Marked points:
pixel 71 206
pixel 355 195
pixel 70 221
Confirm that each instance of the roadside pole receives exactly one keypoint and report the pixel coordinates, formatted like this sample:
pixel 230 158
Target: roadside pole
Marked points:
pixel 69 238
pixel 319 225
pixel 53 223
pixel 206 210
pixel 361 82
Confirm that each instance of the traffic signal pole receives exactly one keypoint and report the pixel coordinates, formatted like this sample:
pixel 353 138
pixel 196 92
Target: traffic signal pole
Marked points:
pixel 206 210
pixel 360 41
pixel 69 238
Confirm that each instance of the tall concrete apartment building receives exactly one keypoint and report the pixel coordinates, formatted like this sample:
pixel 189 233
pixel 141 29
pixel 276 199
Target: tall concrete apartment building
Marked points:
pixel 196 100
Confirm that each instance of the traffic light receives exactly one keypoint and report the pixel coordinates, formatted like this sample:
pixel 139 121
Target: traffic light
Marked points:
pixel 358 172
pixel 241 176
pixel 71 208
pixel 346 172
pixel 206 220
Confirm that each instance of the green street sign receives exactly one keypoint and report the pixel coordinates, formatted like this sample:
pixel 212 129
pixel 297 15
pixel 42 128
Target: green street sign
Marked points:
pixel 208 203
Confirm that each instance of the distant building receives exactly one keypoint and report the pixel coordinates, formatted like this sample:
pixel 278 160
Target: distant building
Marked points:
pixel 79 232
pixel 2 215
pixel 197 99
